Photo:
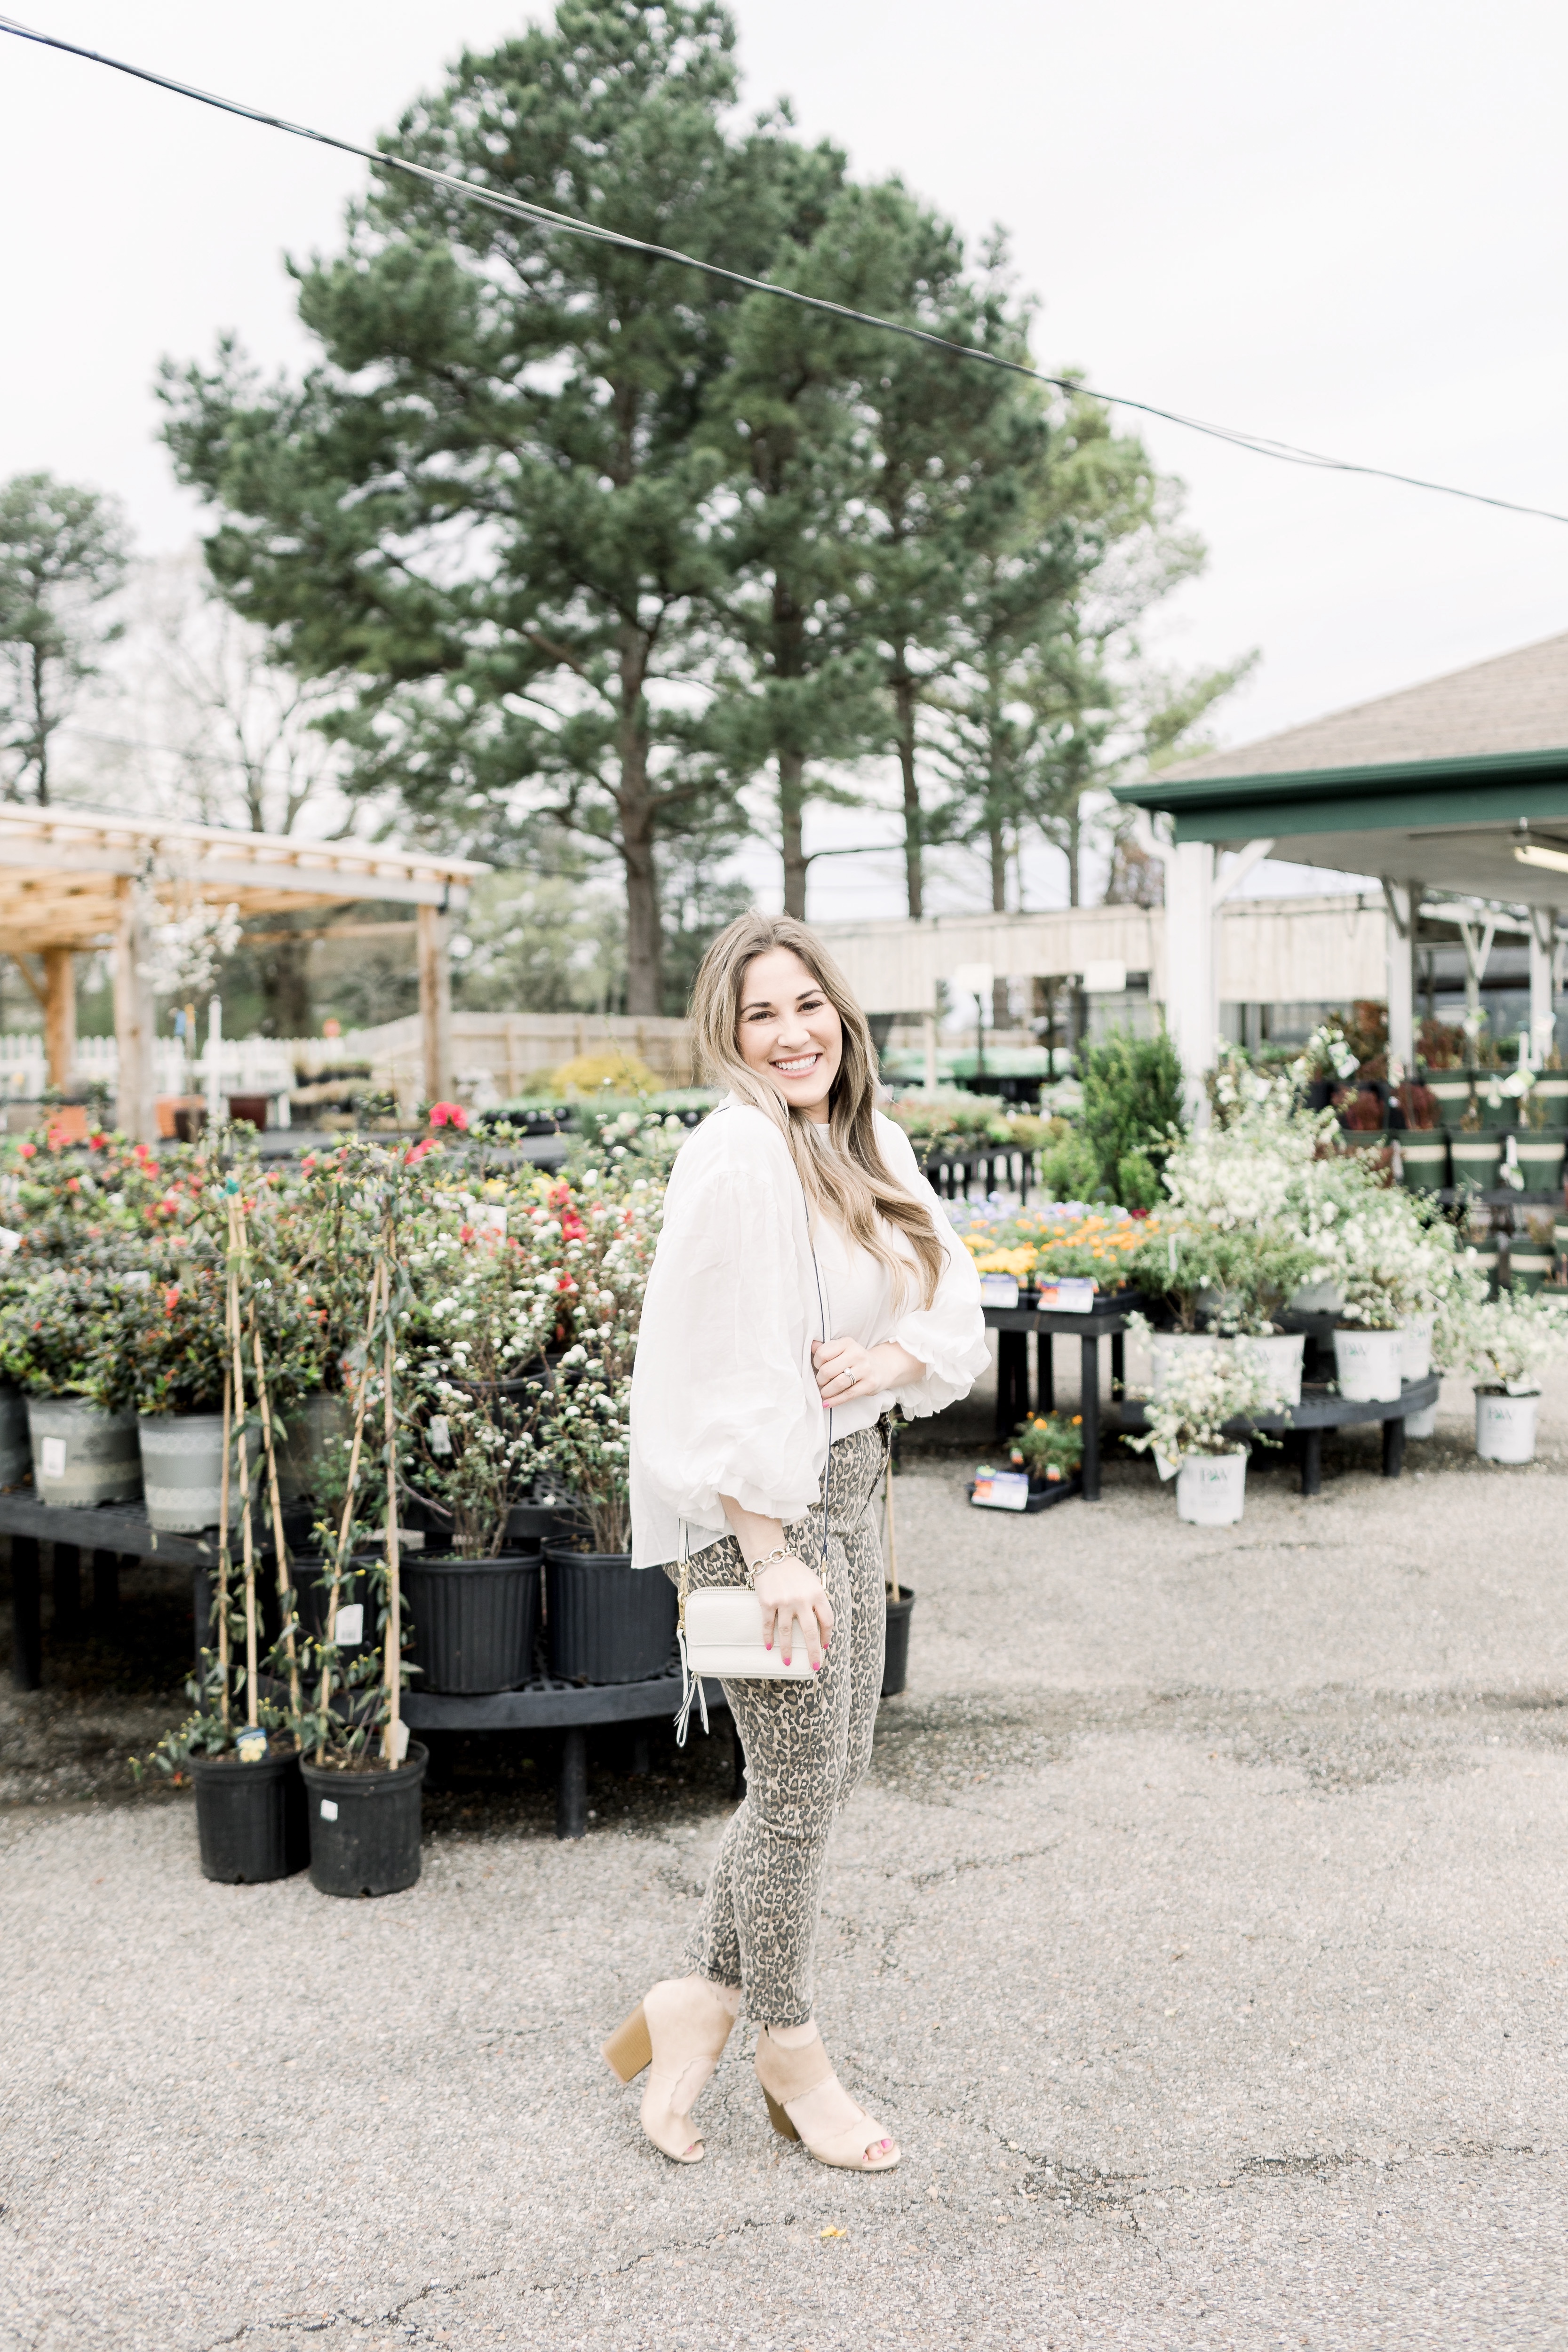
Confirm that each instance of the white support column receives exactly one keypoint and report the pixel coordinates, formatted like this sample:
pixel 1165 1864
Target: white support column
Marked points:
pixel 1543 958
pixel 1402 900
pixel 133 1016
pixel 1192 1012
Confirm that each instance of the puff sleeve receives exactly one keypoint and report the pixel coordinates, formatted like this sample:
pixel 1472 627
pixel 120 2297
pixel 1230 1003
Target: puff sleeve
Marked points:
pixel 948 1336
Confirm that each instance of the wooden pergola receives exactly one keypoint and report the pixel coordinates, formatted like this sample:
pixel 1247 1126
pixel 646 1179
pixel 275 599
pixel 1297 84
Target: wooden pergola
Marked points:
pixel 73 880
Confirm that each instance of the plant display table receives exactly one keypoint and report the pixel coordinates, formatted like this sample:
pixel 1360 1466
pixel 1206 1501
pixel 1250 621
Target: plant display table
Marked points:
pixel 1322 1409
pixel 1013 1326
pixel 114 1533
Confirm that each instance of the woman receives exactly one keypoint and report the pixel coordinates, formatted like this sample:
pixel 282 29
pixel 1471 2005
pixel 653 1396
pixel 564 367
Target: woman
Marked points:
pixel 806 1279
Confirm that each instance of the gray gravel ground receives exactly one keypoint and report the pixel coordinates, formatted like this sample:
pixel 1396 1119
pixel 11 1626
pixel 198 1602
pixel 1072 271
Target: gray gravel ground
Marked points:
pixel 1201 1932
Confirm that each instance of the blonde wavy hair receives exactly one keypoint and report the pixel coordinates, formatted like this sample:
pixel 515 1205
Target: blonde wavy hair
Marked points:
pixel 852 1184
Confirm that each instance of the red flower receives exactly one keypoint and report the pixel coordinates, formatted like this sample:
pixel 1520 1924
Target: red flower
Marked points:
pixel 26 1150
pixel 416 1151
pixel 465 1232
pixel 572 1227
pixel 73 1184
pixel 97 1140
pixel 449 1114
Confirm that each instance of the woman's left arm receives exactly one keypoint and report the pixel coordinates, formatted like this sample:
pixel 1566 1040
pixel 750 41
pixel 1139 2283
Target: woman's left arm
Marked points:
pixel 946 1340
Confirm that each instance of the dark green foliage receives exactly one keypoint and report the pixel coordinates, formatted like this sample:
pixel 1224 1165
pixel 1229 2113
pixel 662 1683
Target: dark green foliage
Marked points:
pixel 1132 1103
pixel 63 549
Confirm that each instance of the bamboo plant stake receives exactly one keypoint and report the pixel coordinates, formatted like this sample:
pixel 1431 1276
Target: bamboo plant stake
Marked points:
pixel 223 1542
pixel 347 1521
pixel 892 1539
pixel 252 1714
pixel 285 1595
pixel 391 1744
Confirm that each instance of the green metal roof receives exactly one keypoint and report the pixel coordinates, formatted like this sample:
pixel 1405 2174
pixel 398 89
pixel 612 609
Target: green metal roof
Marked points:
pixel 1452 823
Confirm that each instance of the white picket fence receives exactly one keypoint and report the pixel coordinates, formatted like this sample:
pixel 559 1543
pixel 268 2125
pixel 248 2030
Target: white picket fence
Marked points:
pixel 494 1055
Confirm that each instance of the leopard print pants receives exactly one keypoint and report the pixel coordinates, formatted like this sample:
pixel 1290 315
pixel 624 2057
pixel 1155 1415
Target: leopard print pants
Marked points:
pixel 808 1744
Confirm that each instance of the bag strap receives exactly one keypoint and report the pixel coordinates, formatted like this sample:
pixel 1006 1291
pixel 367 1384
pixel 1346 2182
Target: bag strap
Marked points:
pixel 827 1466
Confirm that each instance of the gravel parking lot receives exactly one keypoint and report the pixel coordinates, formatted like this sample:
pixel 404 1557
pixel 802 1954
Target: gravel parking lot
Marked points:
pixel 1202 1931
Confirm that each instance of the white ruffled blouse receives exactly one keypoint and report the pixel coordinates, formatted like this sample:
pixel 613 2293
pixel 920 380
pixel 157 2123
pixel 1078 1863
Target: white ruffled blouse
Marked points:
pixel 724 1398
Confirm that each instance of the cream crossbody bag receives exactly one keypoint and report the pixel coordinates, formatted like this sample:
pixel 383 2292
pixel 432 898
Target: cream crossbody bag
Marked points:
pixel 720 1625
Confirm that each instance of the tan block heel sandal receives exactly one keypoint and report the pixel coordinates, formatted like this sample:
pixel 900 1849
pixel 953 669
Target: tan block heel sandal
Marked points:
pixel 678 2033
pixel 788 2077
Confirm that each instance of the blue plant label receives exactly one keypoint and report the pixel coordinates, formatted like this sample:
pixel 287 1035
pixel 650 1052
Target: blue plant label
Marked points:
pixel 1001 1490
pixel 999 1290
pixel 252 1744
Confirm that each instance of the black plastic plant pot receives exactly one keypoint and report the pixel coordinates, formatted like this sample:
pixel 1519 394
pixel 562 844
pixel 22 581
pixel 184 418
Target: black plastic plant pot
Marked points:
pixel 250 1818
pixel 475 1621
pixel 896 1656
pixel 609 1621
pixel 364 1826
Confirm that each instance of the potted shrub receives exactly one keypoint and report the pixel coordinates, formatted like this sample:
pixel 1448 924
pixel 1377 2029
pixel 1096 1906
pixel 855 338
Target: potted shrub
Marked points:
pixel 180 1358
pixel 1190 1433
pixel 250 1797
pixel 608 1622
pixel 1506 1342
pixel 1049 1446
pixel 363 1774
pixel 62 1341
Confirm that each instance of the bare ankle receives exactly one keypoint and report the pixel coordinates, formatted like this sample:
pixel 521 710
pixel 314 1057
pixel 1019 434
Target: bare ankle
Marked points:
pixel 793 2037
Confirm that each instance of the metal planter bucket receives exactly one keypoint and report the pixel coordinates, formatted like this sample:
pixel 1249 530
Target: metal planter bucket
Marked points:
pixel 16 1447
pixel 81 1455
pixel 182 1470
pixel 312 1425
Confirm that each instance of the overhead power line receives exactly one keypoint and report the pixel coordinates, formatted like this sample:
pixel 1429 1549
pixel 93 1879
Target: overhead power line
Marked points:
pixel 518 207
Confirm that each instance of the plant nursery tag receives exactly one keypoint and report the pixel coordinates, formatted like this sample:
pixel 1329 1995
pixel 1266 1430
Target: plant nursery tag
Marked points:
pixel 10 1243
pixel 252 1744
pixel 329 1809
pixel 54 1452
pixel 351 1625
pixel 1001 1490
pixel 1074 1295
pixel 395 1739
pixel 440 1435
pixel 1167 1469
pixel 999 1290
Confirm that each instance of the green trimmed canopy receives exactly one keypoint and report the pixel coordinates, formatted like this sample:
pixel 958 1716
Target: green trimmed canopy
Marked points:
pixel 1484 778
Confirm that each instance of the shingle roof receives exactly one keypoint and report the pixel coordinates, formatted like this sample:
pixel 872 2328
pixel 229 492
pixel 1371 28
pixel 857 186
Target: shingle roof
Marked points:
pixel 1519 703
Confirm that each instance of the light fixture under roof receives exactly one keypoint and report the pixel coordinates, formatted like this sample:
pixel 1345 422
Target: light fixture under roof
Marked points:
pixel 1530 855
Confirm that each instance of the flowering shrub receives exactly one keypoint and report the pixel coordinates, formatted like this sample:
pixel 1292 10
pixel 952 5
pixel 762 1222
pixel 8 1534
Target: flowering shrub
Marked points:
pixel 607 1231
pixel 1505 1342
pixel 1204 1389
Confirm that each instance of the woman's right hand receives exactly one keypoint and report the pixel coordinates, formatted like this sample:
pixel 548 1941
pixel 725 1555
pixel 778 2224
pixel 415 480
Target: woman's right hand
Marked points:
pixel 792 1595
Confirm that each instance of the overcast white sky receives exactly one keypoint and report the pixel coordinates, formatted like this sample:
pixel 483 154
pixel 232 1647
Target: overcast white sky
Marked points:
pixel 1341 224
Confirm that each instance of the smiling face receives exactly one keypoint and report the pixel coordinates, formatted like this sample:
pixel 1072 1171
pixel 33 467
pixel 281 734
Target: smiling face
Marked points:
pixel 789 1030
